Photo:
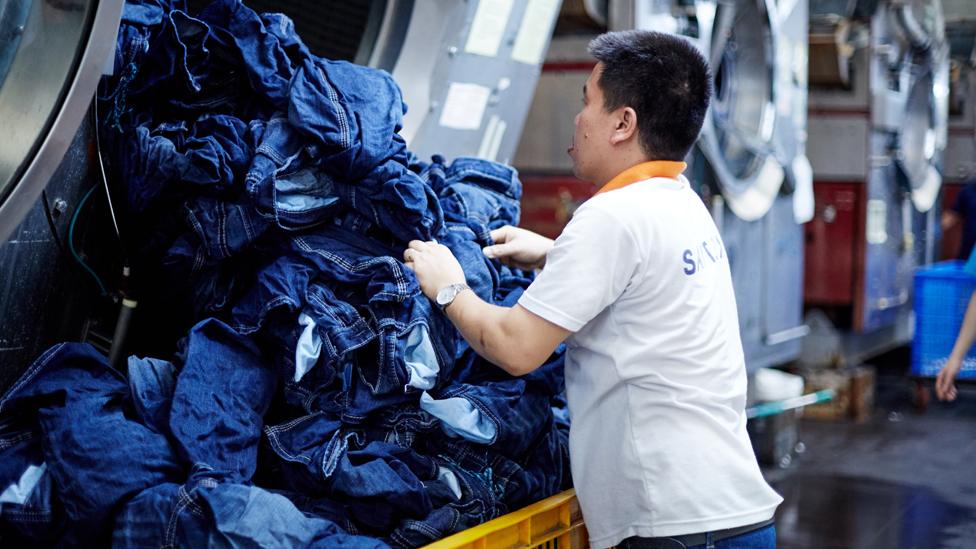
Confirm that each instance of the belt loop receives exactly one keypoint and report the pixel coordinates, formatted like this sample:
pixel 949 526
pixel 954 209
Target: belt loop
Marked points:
pixel 709 541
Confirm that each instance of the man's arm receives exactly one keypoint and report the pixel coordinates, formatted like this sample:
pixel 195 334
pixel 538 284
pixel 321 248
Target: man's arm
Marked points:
pixel 515 339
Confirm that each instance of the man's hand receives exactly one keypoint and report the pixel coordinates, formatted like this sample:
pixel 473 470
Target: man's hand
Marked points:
pixel 945 389
pixel 519 248
pixel 435 266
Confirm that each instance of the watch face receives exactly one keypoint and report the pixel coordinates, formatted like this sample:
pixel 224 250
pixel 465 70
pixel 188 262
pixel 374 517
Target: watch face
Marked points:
pixel 445 296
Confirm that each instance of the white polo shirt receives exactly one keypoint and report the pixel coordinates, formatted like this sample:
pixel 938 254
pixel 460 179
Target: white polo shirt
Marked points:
pixel 655 375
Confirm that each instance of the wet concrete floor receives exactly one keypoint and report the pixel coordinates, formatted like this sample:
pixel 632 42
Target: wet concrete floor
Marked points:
pixel 902 480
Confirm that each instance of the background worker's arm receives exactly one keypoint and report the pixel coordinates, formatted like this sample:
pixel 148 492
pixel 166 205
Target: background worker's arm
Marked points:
pixel 945 389
pixel 950 219
pixel 511 337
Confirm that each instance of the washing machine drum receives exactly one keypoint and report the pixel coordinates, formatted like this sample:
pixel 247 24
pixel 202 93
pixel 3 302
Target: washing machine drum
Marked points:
pixel 923 131
pixel 914 30
pixel 738 134
pixel 918 144
pixel 334 29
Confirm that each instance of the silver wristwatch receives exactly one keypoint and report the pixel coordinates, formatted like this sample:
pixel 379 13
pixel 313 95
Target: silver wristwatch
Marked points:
pixel 446 295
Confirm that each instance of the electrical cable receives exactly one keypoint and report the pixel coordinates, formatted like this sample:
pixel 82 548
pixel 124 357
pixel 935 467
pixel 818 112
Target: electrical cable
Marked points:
pixel 108 194
pixel 50 222
pixel 71 240
pixel 129 304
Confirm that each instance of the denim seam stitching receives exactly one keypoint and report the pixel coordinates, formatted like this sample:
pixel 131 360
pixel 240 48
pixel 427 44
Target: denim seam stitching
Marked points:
pixel 345 137
pixel 361 327
pixel 193 506
pixel 276 444
pixel 11 442
pixel 169 538
pixel 289 425
pixel 246 328
pixel 28 376
pixel 330 312
pixel 423 527
pixel 399 278
pixel 222 229
pixel 246 223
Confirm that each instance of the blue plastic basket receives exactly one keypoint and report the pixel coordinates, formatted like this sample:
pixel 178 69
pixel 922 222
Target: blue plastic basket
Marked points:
pixel 942 293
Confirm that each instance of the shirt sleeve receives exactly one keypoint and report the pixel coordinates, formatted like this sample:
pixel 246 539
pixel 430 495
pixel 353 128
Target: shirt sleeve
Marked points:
pixel 589 267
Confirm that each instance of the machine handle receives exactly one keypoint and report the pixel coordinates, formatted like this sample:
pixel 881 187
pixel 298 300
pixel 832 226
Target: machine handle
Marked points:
pixel 789 334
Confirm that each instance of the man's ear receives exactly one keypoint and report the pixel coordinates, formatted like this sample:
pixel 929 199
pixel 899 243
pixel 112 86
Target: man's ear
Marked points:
pixel 625 125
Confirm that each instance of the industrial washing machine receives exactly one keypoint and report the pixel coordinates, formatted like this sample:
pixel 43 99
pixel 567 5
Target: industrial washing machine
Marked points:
pixel 878 129
pixel 749 164
pixel 467 71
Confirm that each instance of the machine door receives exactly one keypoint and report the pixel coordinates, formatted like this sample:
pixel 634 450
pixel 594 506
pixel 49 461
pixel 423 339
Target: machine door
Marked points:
pixel 753 133
pixel 52 54
pixel 738 136
pixel 911 92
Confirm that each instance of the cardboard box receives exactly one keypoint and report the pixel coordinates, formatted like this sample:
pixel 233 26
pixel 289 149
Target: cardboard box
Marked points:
pixel 853 393
pixel 862 393
pixel 839 407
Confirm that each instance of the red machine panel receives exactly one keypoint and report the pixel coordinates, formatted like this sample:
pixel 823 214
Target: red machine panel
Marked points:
pixel 549 201
pixel 833 244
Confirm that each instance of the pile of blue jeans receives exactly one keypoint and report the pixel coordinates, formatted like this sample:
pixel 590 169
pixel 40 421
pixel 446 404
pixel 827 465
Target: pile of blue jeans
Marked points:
pixel 315 397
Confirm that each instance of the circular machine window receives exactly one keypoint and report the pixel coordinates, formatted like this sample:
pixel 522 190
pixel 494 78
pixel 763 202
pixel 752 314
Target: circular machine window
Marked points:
pixel 917 141
pixel 741 58
pixel 922 136
pixel 923 126
pixel 738 135
pixel 13 18
pixel 51 55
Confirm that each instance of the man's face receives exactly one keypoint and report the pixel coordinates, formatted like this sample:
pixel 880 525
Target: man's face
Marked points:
pixel 594 126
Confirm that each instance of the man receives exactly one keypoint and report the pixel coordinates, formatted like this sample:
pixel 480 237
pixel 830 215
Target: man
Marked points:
pixel 638 284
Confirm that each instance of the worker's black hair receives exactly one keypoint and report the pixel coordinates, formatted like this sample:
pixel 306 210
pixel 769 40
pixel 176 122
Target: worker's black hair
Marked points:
pixel 664 78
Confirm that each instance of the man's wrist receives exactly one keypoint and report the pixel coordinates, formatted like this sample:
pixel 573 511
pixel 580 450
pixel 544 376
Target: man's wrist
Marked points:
pixel 458 297
pixel 447 294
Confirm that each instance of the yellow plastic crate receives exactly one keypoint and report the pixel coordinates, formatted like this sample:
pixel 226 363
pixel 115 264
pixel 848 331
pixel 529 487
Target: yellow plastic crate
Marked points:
pixel 553 523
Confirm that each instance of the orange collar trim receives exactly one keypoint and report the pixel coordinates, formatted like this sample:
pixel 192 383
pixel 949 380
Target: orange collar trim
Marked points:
pixel 643 171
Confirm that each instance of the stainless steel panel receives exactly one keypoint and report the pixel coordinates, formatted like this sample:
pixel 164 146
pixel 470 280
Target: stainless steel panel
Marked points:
pixel 838 147
pixel 493 90
pixel 895 242
pixel 44 295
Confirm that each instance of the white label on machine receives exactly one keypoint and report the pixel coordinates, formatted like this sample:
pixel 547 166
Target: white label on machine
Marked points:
pixel 877 222
pixel 464 106
pixel 530 44
pixel 492 140
pixel 488 27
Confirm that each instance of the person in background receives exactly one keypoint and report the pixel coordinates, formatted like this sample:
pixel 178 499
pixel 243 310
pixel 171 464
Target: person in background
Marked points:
pixel 639 286
pixel 945 386
pixel 963 211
